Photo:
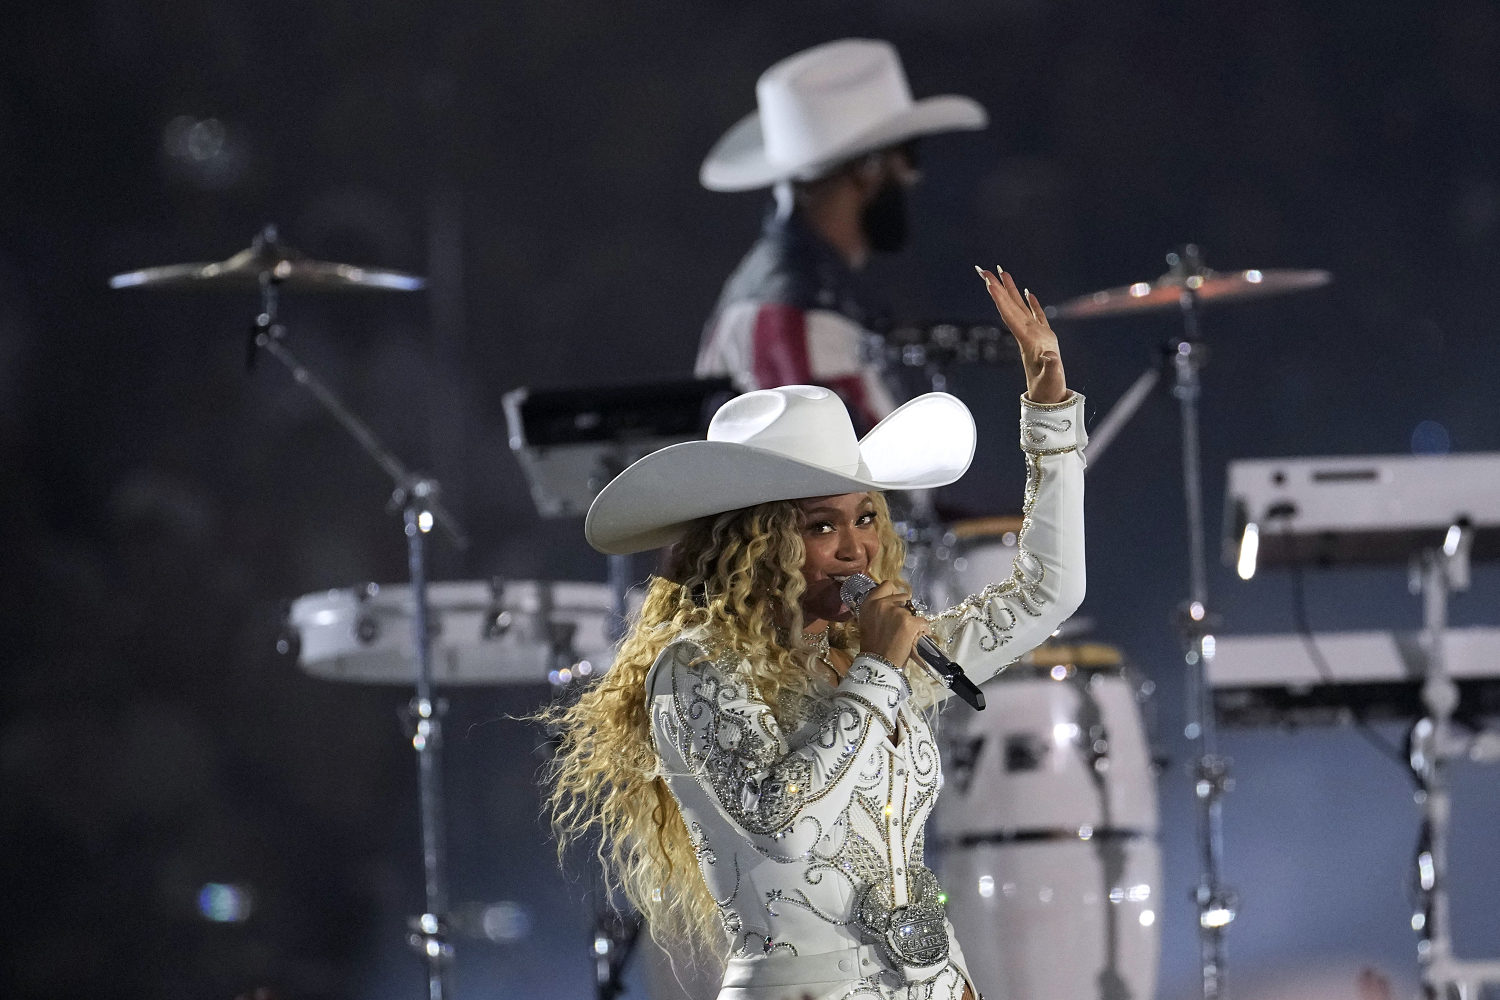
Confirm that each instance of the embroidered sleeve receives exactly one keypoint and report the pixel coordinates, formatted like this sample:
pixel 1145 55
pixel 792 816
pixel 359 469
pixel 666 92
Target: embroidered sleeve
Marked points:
pixel 989 630
pixel 706 720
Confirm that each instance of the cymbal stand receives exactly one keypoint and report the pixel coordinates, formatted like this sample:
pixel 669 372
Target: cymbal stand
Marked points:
pixel 1216 903
pixel 1436 574
pixel 1186 357
pixel 417 497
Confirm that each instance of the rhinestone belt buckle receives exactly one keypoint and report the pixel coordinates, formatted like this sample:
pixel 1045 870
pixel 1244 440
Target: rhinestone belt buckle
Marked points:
pixel 914 936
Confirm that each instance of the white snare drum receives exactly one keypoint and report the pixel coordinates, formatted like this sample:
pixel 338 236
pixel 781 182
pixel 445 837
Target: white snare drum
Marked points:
pixel 481 633
pixel 1046 826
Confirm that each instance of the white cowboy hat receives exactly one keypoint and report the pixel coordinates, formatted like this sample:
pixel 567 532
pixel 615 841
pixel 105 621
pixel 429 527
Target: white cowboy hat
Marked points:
pixel 826 105
pixel 779 444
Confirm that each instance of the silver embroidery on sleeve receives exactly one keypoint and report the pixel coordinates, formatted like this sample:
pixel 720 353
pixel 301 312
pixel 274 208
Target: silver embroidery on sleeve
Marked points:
pixel 996 608
pixel 1034 430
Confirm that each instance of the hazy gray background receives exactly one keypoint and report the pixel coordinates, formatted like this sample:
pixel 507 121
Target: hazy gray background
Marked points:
pixel 539 161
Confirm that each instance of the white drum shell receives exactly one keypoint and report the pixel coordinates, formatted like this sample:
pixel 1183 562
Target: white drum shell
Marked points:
pixel 1049 919
pixel 966 566
pixel 1049 755
pixel 330 625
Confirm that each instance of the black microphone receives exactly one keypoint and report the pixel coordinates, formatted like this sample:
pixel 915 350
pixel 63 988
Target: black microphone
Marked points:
pixel 853 593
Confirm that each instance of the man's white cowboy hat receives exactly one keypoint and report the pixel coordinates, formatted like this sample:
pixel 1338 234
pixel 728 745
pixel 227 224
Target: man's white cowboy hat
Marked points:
pixel 779 444
pixel 826 105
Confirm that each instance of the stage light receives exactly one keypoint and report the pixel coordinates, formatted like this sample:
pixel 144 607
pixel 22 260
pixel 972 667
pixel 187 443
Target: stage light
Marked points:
pixel 1216 916
pixel 222 903
pixel 1249 549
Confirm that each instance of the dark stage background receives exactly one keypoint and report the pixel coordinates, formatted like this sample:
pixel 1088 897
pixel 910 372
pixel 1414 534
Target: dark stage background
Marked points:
pixel 538 162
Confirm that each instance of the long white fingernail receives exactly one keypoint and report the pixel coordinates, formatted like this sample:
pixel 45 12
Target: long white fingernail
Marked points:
pixel 980 271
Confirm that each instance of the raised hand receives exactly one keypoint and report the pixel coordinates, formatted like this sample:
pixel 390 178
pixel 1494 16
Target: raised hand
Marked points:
pixel 1023 316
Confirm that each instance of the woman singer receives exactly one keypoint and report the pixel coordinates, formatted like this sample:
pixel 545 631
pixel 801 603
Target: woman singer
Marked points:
pixel 757 762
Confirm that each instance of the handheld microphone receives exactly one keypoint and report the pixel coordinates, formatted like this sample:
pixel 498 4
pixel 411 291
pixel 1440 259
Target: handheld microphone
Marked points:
pixel 853 593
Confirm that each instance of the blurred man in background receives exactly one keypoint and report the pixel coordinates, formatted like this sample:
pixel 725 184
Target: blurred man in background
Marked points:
pixel 834 135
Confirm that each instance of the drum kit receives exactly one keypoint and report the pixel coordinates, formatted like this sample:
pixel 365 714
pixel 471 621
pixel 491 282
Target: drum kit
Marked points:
pixel 1048 829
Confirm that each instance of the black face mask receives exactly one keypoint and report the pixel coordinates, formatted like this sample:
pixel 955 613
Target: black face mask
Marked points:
pixel 884 220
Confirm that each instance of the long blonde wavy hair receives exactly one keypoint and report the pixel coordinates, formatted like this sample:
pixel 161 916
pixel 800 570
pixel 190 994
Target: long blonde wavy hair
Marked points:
pixel 737 575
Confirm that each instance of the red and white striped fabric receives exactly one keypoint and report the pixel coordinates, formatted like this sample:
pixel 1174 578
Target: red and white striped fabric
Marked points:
pixel 760 345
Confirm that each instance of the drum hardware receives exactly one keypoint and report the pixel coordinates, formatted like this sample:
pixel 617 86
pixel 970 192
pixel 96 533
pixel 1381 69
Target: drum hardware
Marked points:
pixel 289 640
pixel 497 617
pixel 616 934
pixel 268 265
pixel 938 348
pixel 366 625
pixel 1437 573
pixel 963 756
pixel 1189 285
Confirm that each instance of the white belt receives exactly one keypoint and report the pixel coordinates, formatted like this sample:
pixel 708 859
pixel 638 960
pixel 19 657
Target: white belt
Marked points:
pixel 853 962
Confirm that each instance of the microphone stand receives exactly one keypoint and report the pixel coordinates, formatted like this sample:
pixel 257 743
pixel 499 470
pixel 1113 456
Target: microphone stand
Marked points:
pixel 417 497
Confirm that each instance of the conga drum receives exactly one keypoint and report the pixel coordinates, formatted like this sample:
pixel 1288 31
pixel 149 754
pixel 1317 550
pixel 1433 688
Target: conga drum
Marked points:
pixel 1046 825
pixel 1046 829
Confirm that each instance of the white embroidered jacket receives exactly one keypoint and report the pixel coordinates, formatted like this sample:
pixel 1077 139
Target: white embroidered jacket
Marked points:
pixel 809 831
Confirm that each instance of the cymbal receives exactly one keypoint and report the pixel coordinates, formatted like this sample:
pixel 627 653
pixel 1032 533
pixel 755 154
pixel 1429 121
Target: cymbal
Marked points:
pixel 270 260
pixel 1210 287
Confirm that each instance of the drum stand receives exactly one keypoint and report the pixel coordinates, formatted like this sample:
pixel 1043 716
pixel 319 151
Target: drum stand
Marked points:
pixel 1187 355
pixel 1437 573
pixel 417 498
pixel 1216 902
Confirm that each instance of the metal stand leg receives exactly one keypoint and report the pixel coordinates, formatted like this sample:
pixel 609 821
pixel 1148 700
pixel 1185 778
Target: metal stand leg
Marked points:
pixel 615 937
pixel 1437 573
pixel 430 929
pixel 619 590
pixel 1216 902
pixel 418 500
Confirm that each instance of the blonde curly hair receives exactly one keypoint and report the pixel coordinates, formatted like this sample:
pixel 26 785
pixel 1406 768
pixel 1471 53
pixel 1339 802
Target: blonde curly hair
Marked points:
pixel 738 576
